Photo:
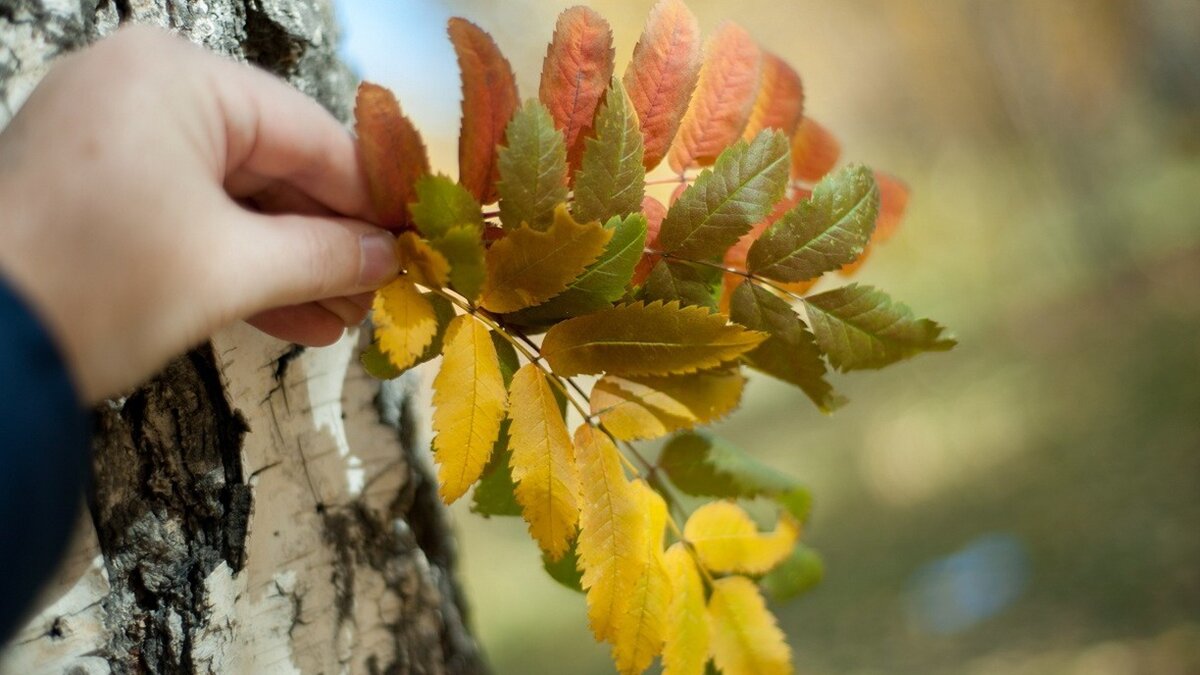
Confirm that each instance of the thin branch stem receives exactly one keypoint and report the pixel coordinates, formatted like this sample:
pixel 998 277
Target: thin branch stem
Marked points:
pixel 731 270
pixel 532 357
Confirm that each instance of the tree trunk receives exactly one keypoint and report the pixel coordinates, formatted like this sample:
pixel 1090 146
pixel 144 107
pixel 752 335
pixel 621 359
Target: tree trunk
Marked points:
pixel 257 508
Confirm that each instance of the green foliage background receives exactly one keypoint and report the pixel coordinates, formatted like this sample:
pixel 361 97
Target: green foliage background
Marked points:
pixel 1054 160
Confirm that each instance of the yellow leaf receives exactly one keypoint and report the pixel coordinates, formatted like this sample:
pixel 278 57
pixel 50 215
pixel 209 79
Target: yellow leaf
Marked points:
pixel 421 263
pixel 610 529
pixel 643 618
pixel 641 339
pixel 405 322
pixel 633 408
pixel 528 267
pixel 543 462
pixel 469 402
pixel 745 638
pixel 727 540
pixel 685 650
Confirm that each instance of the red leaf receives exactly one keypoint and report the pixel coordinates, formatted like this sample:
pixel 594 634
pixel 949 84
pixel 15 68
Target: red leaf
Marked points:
pixel 662 75
pixel 575 75
pixel 391 152
pixel 489 101
pixel 893 202
pixel 814 151
pixel 780 100
pixel 654 212
pixel 724 96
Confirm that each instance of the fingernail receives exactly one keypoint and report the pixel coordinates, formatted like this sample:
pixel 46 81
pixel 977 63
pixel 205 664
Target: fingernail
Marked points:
pixel 378 261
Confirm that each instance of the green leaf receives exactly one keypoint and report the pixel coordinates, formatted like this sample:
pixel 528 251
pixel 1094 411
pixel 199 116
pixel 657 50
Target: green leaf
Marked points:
pixel 384 370
pixel 639 339
pixel 822 234
pixel 675 280
pixel 800 572
pixel 797 502
pixel 601 284
pixel 533 169
pixel 494 494
pixel 790 353
pixel 462 246
pixel 443 204
pixel 726 200
pixel 703 465
pixel 565 570
pixel 377 364
pixel 860 327
pixel 611 180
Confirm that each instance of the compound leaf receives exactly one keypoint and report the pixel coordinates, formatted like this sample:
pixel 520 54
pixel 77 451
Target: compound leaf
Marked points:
pixel 611 180
pixel 575 72
pixel 822 234
pixel 528 267
pixel 727 540
pixel 815 151
pixel 469 400
pixel 602 283
pixel 726 200
pixel 634 408
pixel 533 169
pixel 746 639
pixel 790 353
pixel 662 75
pixel 462 247
pixel 802 570
pixel 610 530
pixel 687 637
pixel 391 151
pixel 441 204
pixel 642 620
pixel 677 280
pixel 489 101
pixel 780 100
pixel 860 327
pixel 543 462
pixel 421 263
pixel 405 322
pixel 703 465
pixel 724 97
pixel 641 339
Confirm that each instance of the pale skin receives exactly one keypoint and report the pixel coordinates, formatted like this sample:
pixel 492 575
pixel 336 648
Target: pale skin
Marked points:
pixel 152 193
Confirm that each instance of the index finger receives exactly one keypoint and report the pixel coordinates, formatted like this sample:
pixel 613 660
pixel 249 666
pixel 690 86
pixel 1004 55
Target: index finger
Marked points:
pixel 275 133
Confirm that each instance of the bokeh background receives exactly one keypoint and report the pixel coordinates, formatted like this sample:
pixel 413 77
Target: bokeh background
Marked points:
pixel 1030 502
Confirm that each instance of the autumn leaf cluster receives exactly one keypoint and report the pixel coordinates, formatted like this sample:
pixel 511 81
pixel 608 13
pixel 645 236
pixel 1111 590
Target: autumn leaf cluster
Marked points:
pixel 555 288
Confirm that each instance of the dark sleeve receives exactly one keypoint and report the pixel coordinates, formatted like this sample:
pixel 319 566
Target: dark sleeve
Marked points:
pixel 44 458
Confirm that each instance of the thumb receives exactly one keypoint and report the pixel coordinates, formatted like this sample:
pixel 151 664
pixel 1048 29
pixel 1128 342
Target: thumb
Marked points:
pixel 292 259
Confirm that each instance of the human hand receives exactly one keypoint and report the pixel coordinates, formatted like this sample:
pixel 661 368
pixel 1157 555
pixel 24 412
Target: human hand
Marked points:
pixel 152 193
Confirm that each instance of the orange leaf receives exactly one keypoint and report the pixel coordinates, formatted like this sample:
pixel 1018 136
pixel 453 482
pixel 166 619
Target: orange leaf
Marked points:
pixel 662 74
pixel 722 101
pixel 780 101
pixel 893 202
pixel 391 152
pixel 489 101
pixel 654 212
pixel 575 74
pixel 814 151
pixel 736 255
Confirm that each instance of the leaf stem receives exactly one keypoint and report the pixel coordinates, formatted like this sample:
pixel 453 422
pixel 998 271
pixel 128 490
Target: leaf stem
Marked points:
pixel 731 270
pixel 533 357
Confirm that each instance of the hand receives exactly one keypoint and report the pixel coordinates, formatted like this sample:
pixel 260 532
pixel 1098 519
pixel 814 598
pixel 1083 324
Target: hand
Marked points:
pixel 152 193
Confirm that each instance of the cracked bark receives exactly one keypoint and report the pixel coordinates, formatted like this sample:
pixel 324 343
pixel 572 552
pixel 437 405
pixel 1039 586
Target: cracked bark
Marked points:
pixel 257 508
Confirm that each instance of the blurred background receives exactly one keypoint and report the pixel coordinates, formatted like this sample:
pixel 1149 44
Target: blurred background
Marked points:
pixel 1030 502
